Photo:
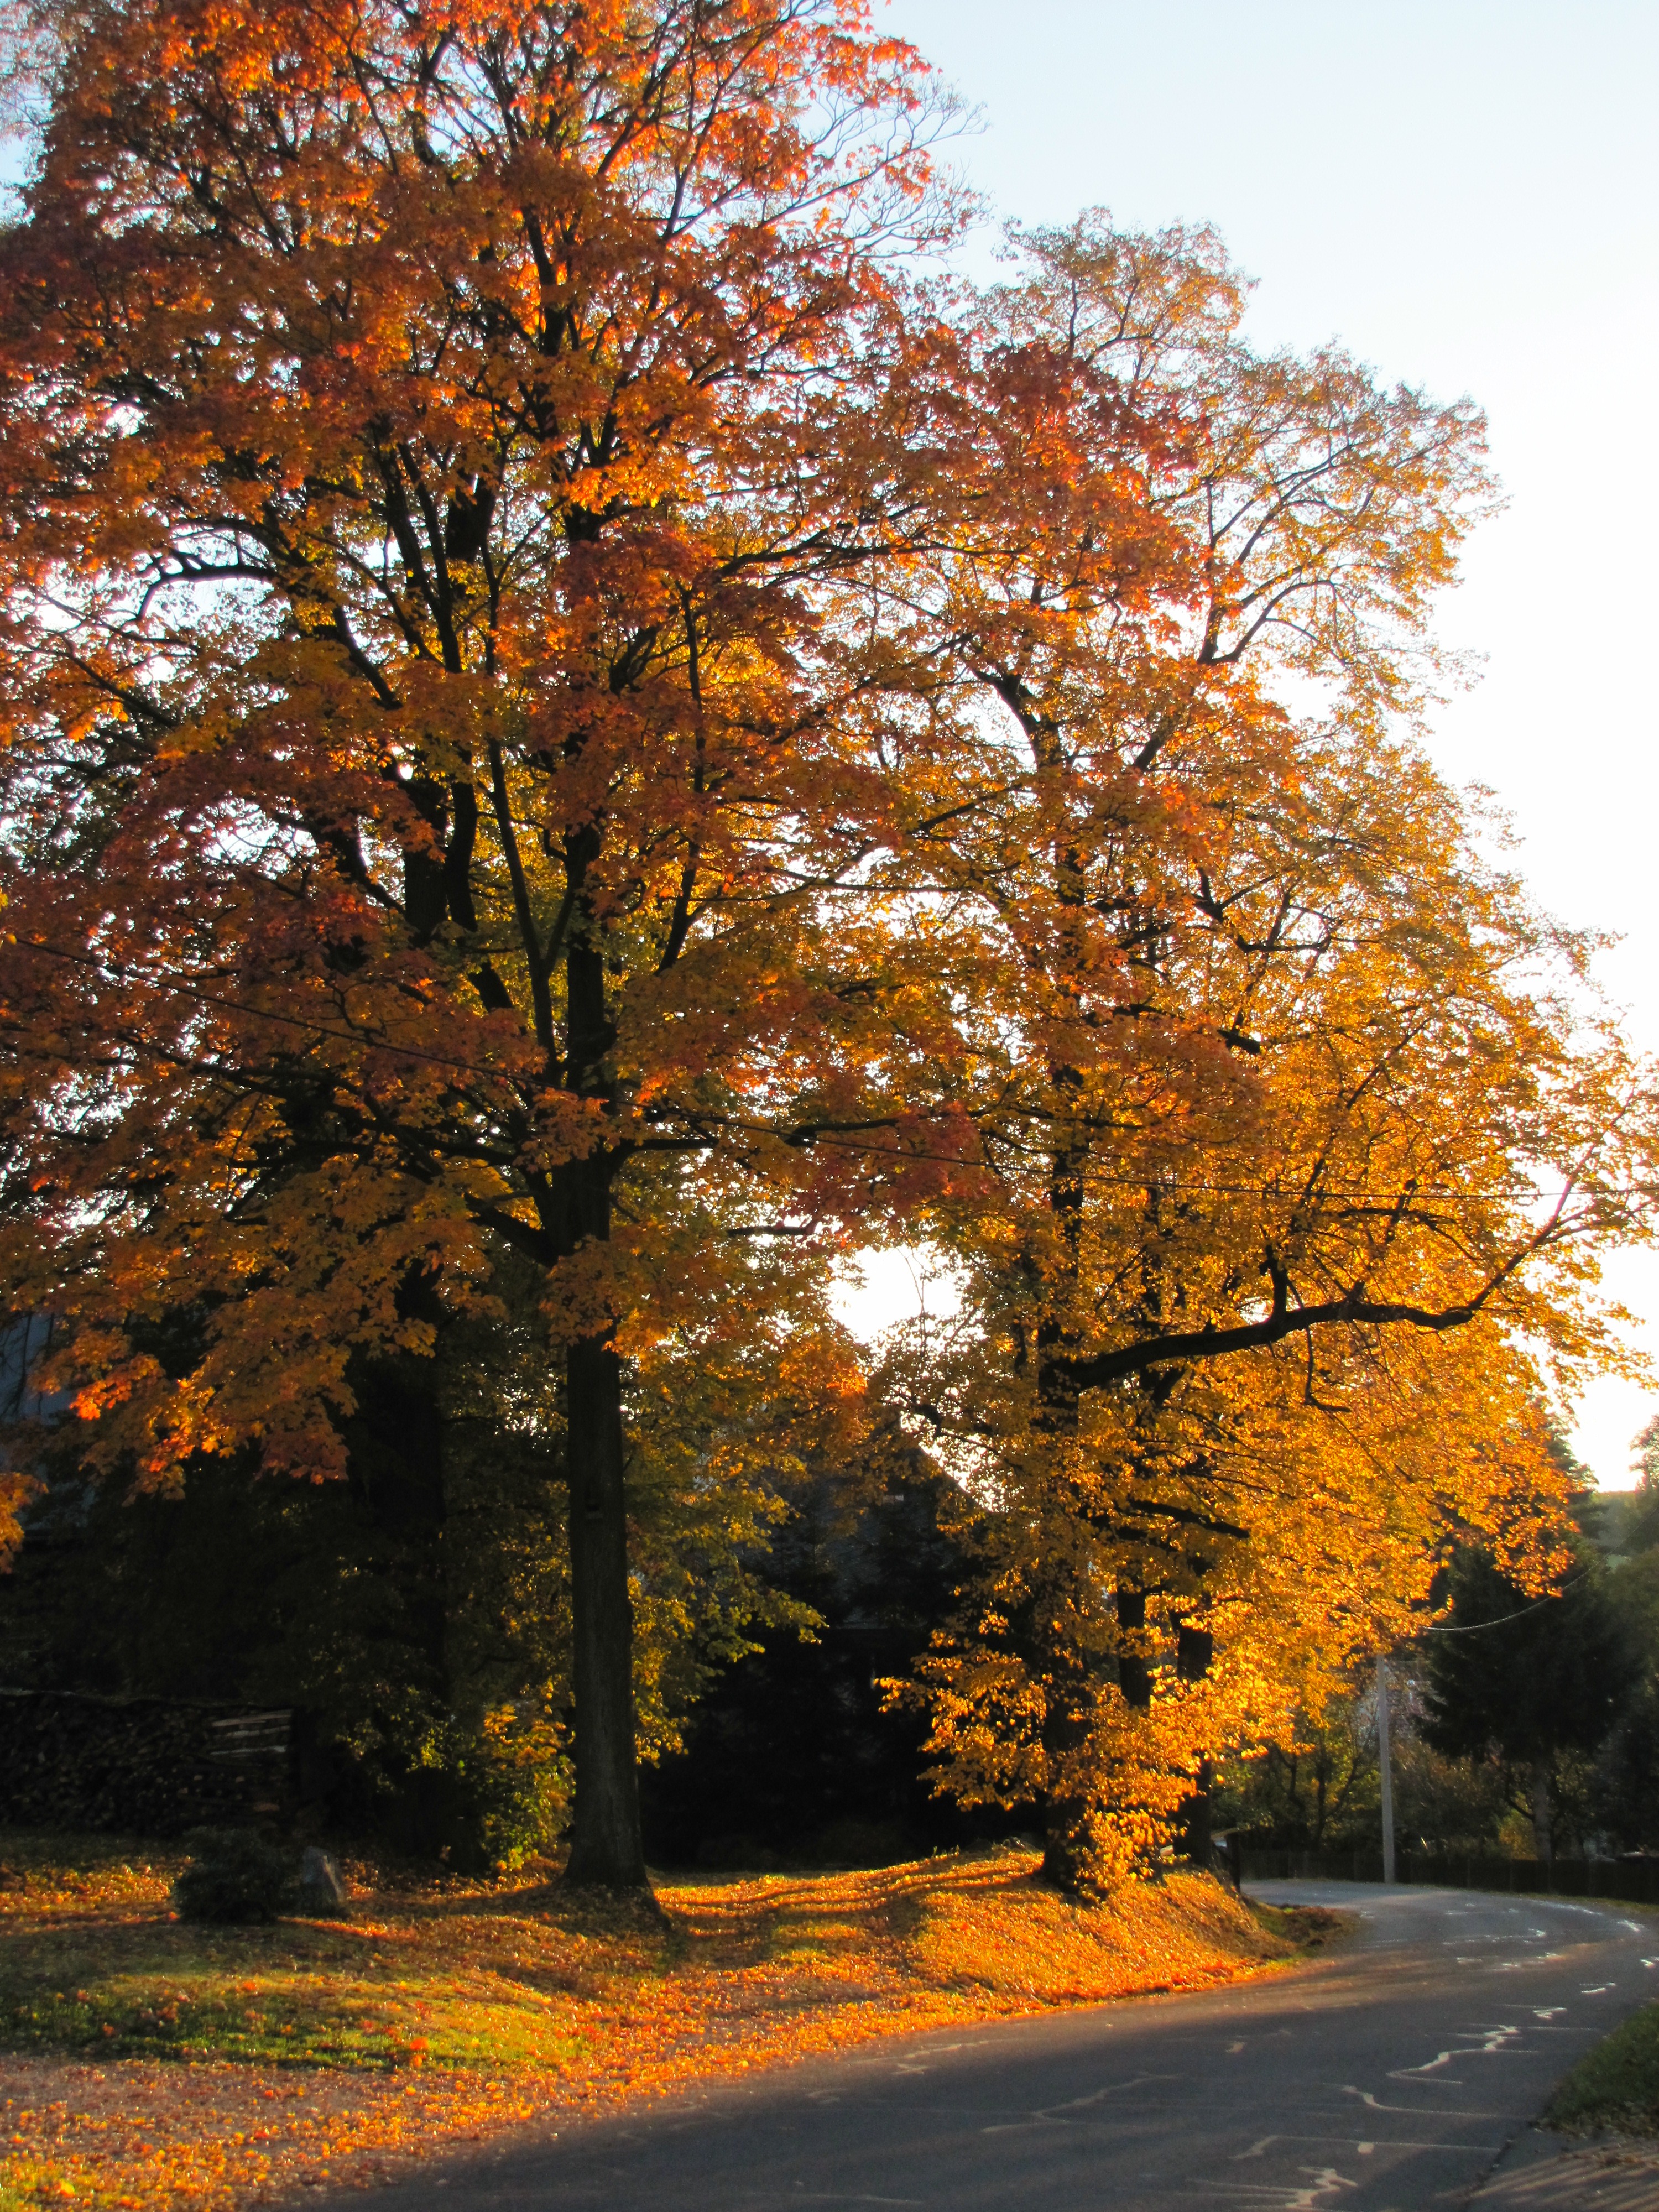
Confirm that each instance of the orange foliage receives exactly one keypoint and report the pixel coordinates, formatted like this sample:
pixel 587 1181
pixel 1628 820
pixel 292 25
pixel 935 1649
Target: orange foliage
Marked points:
pixel 1292 1132
pixel 560 696
pixel 429 433
pixel 761 1972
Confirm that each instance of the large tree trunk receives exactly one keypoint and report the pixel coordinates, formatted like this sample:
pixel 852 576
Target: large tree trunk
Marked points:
pixel 1194 1654
pixel 1068 1698
pixel 605 1843
pixel 1134 1673
pixel 1541 1810
pixel 1197 1838
pixel 1068 1684
pixel 606 1846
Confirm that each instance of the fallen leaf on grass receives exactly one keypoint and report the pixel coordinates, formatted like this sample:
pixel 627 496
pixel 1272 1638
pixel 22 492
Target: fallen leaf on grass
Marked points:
pixel 456 2015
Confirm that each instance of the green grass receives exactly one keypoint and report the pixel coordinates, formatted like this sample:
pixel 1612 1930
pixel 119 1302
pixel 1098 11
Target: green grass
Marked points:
pixel 1616 2085
pixel 290 1995
pixel 92 1960
pixel 1305 1927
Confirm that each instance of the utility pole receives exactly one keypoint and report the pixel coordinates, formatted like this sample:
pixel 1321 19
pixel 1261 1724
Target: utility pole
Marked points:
pixel 1386 1767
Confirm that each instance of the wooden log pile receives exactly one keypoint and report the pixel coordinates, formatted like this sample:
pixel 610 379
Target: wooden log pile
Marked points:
pixel 150 1766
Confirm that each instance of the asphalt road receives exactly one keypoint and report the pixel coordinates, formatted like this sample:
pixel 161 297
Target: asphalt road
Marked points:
pixel 1391 2077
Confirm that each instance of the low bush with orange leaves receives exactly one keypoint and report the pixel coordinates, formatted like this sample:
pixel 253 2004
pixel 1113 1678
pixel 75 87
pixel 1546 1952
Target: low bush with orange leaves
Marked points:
pixel 146 2061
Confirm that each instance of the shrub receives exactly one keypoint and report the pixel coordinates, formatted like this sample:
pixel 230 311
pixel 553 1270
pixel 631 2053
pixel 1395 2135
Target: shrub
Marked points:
pixel 234 1875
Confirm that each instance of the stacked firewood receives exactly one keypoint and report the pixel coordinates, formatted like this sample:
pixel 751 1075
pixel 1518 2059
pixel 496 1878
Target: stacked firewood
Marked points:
pixel 140 1765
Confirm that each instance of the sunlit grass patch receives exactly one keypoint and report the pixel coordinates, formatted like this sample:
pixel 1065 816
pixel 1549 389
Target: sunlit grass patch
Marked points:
pixel 93 1963
pixel 186 2008
pixel 27 2183
pixel 153 2061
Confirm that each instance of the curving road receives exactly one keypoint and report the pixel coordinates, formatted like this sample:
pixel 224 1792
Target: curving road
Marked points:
pixel 1392 2077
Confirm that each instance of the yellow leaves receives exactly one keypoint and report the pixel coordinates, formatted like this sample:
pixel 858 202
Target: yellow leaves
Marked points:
pixel 1294 1511
pixel 657 747
pixel 566 1126
pixel 587 2013
pixel 16 1490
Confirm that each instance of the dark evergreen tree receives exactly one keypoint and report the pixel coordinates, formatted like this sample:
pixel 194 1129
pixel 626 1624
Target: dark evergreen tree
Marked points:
pixel 1627 1772
pixel 1526 1680
pixel 796 1754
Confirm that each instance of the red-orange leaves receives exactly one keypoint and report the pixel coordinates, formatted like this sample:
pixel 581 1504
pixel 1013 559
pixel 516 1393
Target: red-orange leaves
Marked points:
pixel 555 700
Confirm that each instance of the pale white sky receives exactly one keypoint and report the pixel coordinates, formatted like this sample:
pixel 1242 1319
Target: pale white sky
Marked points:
pixel 1466 193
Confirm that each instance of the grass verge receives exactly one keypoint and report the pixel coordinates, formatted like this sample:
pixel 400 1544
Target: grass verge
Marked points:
pixel 144 2061
pixel 1616 2085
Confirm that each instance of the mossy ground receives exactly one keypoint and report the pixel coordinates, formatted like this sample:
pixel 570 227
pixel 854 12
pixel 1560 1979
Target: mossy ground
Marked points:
pixel 1616 2085
pixel 151 2061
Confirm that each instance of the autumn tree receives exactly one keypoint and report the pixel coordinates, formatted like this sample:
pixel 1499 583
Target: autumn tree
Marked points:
pixel 428 430
pixel 1266 1063
pixel 559 699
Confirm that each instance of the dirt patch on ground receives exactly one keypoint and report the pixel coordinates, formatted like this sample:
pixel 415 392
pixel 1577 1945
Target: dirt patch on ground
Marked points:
pixel 1306 1928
